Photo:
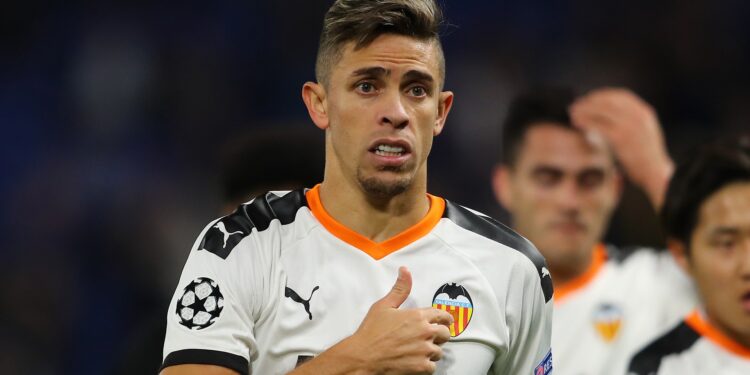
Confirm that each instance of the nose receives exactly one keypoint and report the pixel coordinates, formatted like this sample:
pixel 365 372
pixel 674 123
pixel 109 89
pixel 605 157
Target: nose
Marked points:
pixel 569 195
pixel 393 112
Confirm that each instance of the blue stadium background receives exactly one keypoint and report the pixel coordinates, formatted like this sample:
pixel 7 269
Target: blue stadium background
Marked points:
pixel 113 116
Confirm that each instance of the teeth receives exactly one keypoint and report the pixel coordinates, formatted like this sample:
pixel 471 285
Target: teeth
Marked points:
pixel 390 149
pixel 383 153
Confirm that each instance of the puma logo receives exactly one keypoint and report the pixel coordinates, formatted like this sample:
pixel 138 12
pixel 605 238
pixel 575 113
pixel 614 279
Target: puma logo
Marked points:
pixel 288 292
pixel 220 226
pixel 545 272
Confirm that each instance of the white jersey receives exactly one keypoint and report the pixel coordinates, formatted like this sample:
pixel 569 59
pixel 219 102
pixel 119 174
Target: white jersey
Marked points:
pixel 694 347
pixel 280 281
pixel 615 308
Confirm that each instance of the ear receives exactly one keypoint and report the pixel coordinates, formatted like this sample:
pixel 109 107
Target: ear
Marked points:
pixel 679 252
pixel 314 96
pixel 502 187
pixel 445 102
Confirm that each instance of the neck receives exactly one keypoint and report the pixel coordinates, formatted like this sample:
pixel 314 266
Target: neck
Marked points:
pixel 377 218
pixel 572 268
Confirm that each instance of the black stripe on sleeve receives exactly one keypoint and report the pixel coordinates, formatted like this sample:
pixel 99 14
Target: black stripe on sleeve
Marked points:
pixel 206 357
pixel 648 360
pixel 498 232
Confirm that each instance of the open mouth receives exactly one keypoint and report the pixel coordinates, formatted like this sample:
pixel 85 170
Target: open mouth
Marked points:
pixel 391 151
pixel 745 301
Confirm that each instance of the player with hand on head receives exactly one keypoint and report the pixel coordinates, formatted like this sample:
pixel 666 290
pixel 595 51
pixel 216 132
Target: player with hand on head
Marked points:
pixel 302 281
pixel 707 218
pixel 558 177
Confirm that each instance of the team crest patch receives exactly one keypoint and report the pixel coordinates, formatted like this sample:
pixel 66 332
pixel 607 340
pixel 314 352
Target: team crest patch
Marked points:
pixel 455 299
pixel 200 305
pixel 607 321
pixel 545 366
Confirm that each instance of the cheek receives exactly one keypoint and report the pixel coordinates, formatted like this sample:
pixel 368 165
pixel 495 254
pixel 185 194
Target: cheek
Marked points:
pixel 712 273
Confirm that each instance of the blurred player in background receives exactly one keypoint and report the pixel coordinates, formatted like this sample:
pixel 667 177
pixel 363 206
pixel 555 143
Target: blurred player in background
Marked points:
pixel 707 218
pixel 299 281
pixel 559 178
pixel 261 161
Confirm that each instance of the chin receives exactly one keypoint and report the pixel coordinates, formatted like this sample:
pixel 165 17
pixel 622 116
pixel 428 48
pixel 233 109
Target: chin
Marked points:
pixel 384 188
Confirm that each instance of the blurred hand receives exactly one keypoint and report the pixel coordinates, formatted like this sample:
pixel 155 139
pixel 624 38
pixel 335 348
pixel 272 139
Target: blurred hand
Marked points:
pixel 632 129
pixel 396 341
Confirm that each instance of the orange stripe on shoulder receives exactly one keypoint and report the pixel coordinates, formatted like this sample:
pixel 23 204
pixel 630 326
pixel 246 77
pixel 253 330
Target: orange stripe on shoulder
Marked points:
pixel 707 330
pixel 564 290
pixel 377 250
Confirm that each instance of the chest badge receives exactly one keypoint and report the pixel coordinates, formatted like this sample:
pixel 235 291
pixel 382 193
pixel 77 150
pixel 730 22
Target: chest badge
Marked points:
pixel 455 299
pixel 607 321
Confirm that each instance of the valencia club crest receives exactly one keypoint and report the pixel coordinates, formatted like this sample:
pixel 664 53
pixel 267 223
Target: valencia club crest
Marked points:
pixel 455 300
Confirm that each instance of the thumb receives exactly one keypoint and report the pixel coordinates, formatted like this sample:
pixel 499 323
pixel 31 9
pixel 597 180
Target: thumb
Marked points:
pixel 400 290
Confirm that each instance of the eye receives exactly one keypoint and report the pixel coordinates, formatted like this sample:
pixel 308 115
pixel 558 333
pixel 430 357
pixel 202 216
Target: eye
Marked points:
pixel 591 179
pixel 547 177
pixel 724 242
pixel 365 87
pixel 418 91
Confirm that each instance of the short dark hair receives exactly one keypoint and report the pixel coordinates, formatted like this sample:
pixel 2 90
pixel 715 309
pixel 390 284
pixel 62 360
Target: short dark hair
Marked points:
pixel 263 160
pixel 707 169
pixel 529 109
pixel 361 21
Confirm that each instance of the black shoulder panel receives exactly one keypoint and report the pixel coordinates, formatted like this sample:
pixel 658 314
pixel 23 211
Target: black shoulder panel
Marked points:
pixel 226 233
pixel 498 232
pixel 648 360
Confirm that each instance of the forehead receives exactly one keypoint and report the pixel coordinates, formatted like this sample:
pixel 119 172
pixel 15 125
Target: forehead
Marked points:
pixel 729 206
pixel 555 145
pixel 396 53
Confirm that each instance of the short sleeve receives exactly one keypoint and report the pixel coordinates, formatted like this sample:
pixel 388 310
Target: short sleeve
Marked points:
pixel 212 313
pixel 530 324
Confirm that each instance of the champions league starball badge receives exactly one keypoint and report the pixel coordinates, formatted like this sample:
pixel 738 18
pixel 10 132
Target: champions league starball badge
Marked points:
pixel 200 305
pixel 455 299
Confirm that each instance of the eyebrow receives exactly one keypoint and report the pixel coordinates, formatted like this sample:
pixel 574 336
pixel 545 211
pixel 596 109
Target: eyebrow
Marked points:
pixel 724 231
pixel 378 71
pixel 372 71
pixel 416 75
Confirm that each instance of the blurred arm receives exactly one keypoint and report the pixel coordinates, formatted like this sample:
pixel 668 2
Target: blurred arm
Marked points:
pixel 632 129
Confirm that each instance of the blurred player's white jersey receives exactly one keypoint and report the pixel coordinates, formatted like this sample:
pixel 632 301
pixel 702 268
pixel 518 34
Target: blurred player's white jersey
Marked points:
pixel 280 281
pixel 616 307
pixel 694 347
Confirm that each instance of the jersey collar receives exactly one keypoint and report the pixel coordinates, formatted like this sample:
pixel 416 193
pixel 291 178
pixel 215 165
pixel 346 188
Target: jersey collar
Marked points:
pixel 566 289
pixel 377 250
pixel 696 321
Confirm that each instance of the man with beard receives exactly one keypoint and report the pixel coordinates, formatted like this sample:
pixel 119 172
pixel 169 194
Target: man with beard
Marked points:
pixel 559 179
pixel 303 281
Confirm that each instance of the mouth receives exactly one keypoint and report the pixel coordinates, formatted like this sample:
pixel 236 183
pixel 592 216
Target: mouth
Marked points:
pixel 390 151
pixel 390 147
pixel 745 301
pixel 569 226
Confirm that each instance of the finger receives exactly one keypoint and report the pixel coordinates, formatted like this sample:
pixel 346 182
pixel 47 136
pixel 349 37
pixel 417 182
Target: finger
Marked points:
pixel 438 316
pixel 400 290
pixel 436 353
pixel 442 335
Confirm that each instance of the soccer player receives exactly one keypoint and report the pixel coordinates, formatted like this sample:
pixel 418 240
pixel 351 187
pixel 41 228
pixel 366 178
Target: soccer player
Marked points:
pixel 303 281
pixel 559 179
pixel 707 219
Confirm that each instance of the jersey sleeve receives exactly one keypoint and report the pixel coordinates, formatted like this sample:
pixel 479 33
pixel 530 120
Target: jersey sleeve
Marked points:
pixel 219 297
pixel 530 324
